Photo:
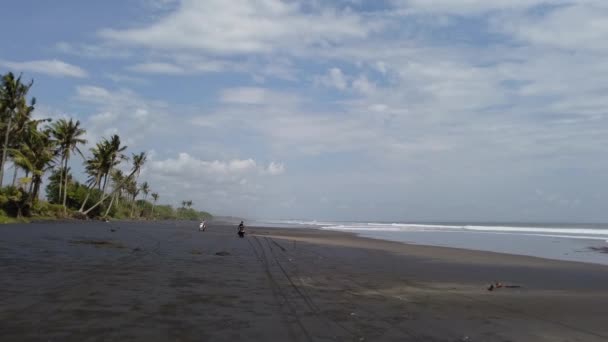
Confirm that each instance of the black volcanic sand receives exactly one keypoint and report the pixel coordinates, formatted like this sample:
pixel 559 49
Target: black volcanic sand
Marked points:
pixel 166 281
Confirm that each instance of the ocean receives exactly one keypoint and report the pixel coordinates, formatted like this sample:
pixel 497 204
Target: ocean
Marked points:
pixel 572 242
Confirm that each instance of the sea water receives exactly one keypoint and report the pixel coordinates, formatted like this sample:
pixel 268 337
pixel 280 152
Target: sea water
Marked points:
pixel 573 242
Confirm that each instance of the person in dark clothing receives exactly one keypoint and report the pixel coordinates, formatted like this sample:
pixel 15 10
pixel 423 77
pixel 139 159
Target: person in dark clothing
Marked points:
pixel 241 230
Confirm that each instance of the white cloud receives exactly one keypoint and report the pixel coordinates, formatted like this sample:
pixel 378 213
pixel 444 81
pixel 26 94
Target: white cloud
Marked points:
pixel 378 107
pixel 97 51
pixel 579 26
pixel 334 78
pixel 245 95
pixel 381 67
pixel 363 85
pixel 137 120
pixel 257 96
pixel 157 68
pixel 52 67
pixel 93 94
pixel 187 166
pixel 275 168
pixel 44 112
pixel 191 64
pixel 121 78
pixel 216 185
pixel 160 4
pixel 104 118
pixel 241 165
pixel 263 27
pixel 471 6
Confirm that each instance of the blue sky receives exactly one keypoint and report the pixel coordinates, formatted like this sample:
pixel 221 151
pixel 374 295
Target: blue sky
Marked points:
pixel 387 110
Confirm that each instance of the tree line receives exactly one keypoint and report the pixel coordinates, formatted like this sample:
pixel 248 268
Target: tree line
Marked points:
pixel 39 148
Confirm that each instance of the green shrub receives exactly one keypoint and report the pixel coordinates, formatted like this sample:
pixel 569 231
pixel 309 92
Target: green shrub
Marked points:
pixel 16 201
pixel 46 209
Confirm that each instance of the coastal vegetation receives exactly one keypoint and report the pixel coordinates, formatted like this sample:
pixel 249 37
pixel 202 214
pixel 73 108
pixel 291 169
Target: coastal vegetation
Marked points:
pixel 40 151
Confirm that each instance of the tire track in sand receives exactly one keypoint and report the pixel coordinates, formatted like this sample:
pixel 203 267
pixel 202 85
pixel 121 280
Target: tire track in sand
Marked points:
pixel 278 292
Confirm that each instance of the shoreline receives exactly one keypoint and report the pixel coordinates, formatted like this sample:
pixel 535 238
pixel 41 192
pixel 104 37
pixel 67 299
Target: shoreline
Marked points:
pixel 551 247
pixel 349 239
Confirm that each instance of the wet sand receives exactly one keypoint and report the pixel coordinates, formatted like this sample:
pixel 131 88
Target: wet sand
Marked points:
pixel 164 281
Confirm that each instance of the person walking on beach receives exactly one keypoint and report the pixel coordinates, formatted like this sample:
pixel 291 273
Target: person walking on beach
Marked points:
pixel 203 225
pixel 241 230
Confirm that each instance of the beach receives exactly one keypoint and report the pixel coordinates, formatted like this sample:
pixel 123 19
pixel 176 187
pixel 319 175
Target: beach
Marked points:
pixel 166 281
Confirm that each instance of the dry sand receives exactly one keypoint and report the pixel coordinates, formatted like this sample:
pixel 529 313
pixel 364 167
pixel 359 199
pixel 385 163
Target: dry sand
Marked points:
pixel 168 282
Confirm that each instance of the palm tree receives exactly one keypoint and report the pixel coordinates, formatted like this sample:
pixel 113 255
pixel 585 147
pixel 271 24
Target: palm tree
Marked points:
pixel 12 98
pixel 22 126
pixel 117 178
pixel 94 167
pixel 115 155
pixel 68 136
pixel 132 191
pixel 35 155
pixel 145 189
pixel 107 154
pixel 155 198
pixel 138 161
pixel 23 131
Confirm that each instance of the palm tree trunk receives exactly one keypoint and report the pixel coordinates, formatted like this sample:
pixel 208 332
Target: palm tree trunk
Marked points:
pixel 132 206
pixel 143 206
pixel 105 180
pixel 5 148
pixel 89 193
pixel 60 179
pixel 15 175
pixel 37 180
pixel 105 196
pixel 86 198
pixel 65 188
pixel 29 191
pixel 110 206
pixel 153 205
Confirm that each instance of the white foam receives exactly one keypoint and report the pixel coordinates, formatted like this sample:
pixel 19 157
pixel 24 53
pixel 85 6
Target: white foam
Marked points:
pixel 575 233
pixel 555 232
pixel 589 231
pixel 307 223
pixel 359 228
pixel 582 237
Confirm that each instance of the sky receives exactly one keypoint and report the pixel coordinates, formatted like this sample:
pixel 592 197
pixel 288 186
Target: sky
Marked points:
pixel 384 110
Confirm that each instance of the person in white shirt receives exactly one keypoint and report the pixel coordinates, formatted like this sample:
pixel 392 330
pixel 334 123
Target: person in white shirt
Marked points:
pixel 203 225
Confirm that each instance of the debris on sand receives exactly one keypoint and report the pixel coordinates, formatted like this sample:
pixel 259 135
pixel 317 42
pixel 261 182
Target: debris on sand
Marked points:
pixel 98 243
pixel 497 285
pixel 195 252
pixel 222 253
